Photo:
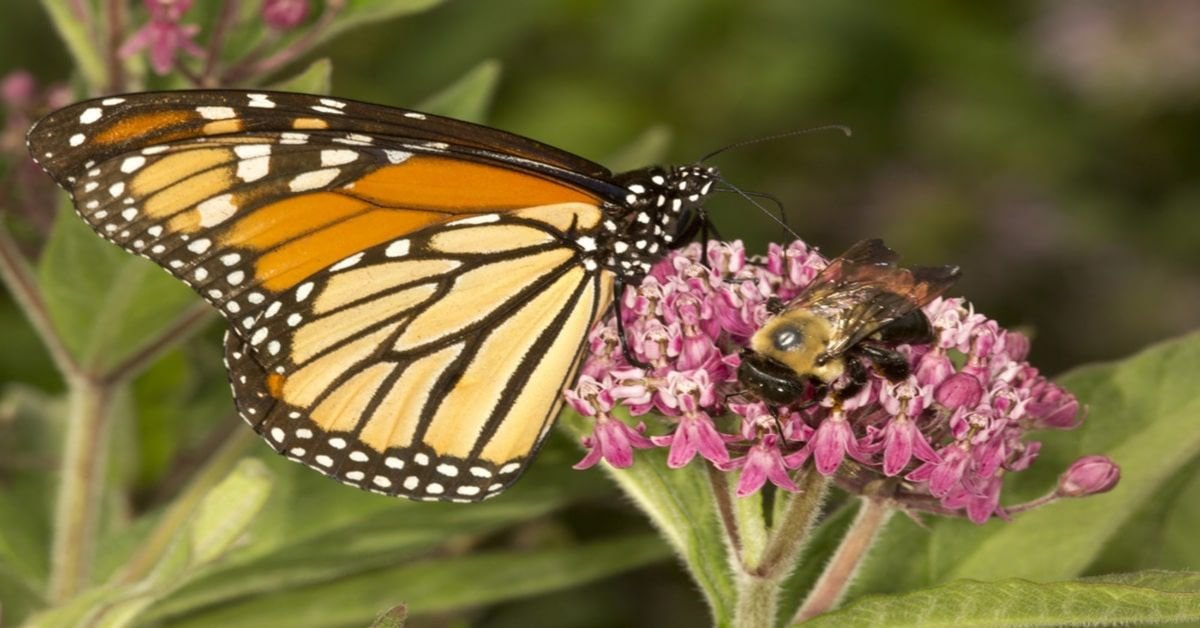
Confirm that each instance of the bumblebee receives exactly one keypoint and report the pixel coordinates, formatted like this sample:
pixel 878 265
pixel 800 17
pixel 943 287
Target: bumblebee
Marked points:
pixel 856 310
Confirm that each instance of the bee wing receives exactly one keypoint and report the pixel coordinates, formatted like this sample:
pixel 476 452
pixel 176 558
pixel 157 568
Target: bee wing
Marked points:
pixel 863 290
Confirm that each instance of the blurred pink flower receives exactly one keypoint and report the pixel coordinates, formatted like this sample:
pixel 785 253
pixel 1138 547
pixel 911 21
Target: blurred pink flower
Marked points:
pixel 284 14
pixel 163 35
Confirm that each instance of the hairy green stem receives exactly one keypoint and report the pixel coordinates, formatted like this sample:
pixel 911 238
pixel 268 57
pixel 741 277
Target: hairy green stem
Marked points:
pixel 834 581
pixel 720 488
pixel 765 565
pixel 182 507
pixel 81 481
pixel 790 533
pixel 757 601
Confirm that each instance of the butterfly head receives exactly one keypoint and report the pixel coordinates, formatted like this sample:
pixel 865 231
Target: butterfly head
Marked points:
pixel 662 210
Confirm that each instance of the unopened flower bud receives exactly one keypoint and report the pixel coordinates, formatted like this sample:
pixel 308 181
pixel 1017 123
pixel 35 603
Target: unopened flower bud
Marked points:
pixel 1088 476
pixel 284 14
pixel 961 390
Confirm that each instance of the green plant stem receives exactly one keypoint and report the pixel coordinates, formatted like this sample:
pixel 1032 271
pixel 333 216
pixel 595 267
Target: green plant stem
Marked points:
pixel 757 601
pixel 115 33
pixel 21 283
pixel 184 506
pixel 187 323
pixel 720 488
pixel 763 566
pixel 81 481
pixel 832 584
pixel 790 533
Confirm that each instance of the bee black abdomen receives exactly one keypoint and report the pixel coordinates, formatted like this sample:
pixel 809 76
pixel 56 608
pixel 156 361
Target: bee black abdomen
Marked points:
pixel 913 328
pixel 891 364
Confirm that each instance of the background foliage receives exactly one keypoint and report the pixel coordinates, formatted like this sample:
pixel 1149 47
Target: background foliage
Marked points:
pixel 1047 147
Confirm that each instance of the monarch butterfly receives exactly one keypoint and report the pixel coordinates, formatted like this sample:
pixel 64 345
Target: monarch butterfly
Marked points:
pixel 406 294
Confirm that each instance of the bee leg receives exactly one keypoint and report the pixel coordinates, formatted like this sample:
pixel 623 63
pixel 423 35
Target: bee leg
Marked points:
pixel 629 357
pixel 858 378
pixel 891 364
pixel 774 305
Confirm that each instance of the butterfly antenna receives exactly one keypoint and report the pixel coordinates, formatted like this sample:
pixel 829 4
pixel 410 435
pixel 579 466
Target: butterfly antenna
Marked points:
pixel 782 222
pixel 778 136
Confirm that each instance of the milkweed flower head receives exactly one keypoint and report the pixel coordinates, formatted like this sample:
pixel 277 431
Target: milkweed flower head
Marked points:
pixel 943 439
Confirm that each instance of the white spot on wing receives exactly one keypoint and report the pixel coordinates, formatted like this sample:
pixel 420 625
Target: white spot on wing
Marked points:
pixel 510 467
pixel 337 157
pixel 260 100
pixel 303 291
pixel 215 113
pixel 347 263
pixel 313 179
pixel 90 115
pixel 481 219
pixel 399 248
pixel 254 168
pixel 397 156
pixel 216 210
pixel 131 164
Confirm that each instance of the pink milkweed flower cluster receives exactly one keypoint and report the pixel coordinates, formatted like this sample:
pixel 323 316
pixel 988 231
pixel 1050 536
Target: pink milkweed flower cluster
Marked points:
pixel 164 35
pixel 942 439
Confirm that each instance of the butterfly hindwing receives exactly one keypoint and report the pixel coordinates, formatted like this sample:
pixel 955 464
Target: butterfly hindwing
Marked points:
pixel 408 371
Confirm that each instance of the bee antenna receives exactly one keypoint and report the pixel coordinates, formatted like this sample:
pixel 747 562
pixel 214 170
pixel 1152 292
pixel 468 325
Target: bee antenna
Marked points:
pixel 749 198
pixel 778 136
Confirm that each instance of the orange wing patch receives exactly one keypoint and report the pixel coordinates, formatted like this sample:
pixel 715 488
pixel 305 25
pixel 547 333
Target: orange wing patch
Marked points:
pixel 457 186
pixel 137 127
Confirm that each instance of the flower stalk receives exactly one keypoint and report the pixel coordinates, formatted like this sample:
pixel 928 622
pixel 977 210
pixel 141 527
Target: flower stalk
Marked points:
pixel 831 586
pixel 81 486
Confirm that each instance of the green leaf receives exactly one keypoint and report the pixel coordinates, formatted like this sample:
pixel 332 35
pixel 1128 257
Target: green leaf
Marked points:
pixel 317 531
pixel 27 421
pixel 362 12
pixel 317 78
pixel 105 303
pixel 1146 597
pixel 74 32
pixel 395 617
pixel 227 512
pixel 1142 414
pixel 680 504
pixel 1163 534
pixel 20 596
pixel 438 585
pixel 468 98
pixel 223 516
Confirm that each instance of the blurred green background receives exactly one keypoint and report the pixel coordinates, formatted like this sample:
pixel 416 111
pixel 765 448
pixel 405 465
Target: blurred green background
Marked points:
pixel 1049 148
